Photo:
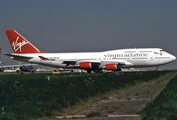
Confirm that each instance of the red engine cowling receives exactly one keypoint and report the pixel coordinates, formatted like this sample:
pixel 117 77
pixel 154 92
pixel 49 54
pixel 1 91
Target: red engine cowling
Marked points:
pixel 85 65
pixel 111 66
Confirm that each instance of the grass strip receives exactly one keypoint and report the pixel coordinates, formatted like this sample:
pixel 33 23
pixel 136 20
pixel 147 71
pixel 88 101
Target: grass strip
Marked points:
pixel 34 96
pixel 164 107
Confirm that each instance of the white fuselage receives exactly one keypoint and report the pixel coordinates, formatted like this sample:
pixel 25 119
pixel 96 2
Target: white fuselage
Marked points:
pixel 144 57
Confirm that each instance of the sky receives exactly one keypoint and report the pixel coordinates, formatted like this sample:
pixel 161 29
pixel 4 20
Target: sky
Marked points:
pixel 91 25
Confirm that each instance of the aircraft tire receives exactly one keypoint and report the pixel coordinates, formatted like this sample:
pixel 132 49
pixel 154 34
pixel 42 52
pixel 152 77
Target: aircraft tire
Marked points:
pixel 88 71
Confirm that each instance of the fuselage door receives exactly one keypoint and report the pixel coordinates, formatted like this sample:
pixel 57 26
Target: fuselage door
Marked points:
pixel 151 57
pixel 99 57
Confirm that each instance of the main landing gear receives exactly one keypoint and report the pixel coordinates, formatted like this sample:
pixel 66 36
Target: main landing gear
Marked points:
pixel 95 71
pixel 103 71
pixel 89 71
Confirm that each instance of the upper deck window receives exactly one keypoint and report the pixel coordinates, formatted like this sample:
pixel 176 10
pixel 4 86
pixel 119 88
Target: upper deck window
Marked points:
pixel 130 52
pixel 146 51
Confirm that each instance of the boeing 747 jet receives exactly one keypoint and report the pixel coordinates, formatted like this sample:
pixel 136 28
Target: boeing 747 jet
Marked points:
pixel 91 61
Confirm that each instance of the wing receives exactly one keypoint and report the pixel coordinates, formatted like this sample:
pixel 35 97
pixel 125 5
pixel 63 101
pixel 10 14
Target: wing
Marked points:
pixel 63 61
pixel 112 62
pixel 96 64
pixel 87 64
pixel 69 62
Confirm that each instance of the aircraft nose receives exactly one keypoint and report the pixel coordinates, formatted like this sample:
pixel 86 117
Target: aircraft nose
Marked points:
pixel 173 57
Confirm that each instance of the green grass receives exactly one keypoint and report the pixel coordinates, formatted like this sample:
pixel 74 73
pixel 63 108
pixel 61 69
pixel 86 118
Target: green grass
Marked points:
pixel 164 107
pixel 27 96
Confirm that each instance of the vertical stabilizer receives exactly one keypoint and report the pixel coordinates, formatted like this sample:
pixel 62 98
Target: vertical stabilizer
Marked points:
pixel 19 43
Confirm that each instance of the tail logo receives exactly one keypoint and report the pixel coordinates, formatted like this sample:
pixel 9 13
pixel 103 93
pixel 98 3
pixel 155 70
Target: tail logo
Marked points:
pixel 17 45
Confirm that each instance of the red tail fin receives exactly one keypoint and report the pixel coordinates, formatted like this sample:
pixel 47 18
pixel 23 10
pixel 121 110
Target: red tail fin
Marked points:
pixel 19 43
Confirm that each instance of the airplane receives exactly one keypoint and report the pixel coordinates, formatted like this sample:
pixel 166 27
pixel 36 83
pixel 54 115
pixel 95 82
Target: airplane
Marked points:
pixel 91 61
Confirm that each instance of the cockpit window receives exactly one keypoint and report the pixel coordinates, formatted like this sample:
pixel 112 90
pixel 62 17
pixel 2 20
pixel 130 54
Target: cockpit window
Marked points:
pixel 161 50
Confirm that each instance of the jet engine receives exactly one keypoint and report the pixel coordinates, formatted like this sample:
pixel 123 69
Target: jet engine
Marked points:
pixel 112 66
pixel 85 65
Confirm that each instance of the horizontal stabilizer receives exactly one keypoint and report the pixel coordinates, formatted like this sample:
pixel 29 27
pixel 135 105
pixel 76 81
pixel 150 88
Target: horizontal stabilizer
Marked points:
pixel 18 57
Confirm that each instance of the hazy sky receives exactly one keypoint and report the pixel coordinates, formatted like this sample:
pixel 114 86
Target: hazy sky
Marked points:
pixel 91 25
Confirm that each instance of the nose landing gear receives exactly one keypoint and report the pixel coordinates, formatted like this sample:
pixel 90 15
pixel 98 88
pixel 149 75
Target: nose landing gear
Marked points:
pixel 157 68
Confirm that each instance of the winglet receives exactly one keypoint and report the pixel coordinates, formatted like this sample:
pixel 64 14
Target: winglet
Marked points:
pixel 19 43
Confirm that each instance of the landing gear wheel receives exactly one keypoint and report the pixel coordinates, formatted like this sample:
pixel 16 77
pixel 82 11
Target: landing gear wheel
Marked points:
pixel 98 71
pixel 88 71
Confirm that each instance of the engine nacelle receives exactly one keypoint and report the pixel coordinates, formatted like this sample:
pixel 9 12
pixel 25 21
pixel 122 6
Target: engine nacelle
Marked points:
pixel 85 65
pixel 111 66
